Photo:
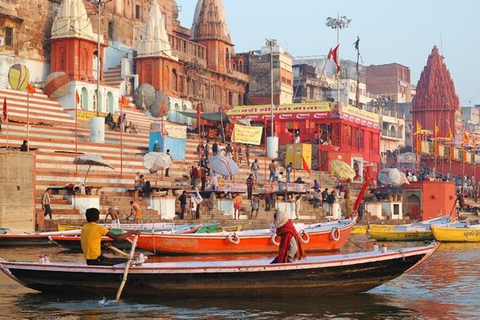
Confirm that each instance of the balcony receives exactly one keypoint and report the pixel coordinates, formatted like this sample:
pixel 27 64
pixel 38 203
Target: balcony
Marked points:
pixel 392 134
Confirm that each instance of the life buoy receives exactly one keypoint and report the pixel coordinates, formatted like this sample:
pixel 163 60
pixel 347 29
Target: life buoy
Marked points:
pixel 274 240
pixel 301 234
pixel 233 238
pixel 335 234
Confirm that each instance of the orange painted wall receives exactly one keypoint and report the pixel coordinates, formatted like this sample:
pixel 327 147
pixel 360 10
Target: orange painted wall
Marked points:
pixel 437 197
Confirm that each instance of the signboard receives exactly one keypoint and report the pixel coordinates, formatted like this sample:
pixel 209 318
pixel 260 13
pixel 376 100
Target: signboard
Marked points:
pixel 359 116
pixel 170 129
pixel 246 134
pixel 282 112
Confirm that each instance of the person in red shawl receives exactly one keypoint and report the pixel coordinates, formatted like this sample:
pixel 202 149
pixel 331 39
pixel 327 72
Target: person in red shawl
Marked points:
pixel 290 248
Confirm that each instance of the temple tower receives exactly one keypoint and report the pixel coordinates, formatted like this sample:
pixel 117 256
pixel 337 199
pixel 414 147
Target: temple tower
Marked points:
pixel 74 44
pixel 155 62
pixel 210 29
pixel 435 102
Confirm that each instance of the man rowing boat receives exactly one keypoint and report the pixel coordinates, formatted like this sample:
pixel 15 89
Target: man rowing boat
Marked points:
pixel 91 239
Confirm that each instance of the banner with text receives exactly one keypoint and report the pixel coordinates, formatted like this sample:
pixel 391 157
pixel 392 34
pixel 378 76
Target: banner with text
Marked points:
pixel 246 134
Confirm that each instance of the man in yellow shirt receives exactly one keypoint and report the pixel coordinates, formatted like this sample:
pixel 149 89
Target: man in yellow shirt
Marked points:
pixel 237 206
pixel 91 239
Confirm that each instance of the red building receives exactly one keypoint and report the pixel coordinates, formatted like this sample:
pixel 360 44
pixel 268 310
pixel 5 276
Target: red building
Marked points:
pixel 344 132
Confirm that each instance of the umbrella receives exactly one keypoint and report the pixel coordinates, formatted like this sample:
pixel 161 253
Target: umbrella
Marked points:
pixel 91 160
pixel 154 161
pixel 223 165
pixel 393 177
pixel 342 170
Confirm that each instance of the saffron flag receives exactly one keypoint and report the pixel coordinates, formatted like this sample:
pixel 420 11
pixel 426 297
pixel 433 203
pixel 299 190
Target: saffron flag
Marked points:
pixel 163 109
pixel 124 101
pixel 305 165
pixel 449 135
pixel 436 130
pixel 30 89
pixel 77 97
pixel 265 121
pixel 199 110
pixel 5 115
pixel 333 54
pixel 295 125
pixel 465 137
pixel 419 126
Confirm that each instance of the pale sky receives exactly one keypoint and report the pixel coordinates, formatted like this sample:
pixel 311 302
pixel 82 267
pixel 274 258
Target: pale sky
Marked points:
pixel 401 32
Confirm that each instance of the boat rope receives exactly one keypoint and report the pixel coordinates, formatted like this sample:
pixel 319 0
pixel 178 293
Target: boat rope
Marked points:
pixel 350 240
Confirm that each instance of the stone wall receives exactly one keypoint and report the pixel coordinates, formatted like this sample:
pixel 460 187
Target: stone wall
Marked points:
pixel 17 190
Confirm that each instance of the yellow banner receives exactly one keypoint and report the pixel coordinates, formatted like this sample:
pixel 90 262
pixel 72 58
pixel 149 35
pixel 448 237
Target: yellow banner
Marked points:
pixel 246 134
pixel 170 129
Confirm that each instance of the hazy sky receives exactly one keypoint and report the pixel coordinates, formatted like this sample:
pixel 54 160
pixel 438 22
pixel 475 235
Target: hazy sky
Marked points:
pixel 403 32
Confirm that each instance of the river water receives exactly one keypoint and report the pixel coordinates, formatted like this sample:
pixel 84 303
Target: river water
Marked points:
pixel 447 286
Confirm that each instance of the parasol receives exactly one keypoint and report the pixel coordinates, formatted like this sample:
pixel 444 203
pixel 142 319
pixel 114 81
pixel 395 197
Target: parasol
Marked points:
pixel 342 170
pixel 91 160
pixel 154 161
pixel 392 176
pixel 223 166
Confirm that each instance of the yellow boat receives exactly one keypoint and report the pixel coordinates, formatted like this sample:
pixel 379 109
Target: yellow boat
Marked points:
pixel 456 232
pixel 401 233
pixel 417 231
pixel 65 227
pixel 359 230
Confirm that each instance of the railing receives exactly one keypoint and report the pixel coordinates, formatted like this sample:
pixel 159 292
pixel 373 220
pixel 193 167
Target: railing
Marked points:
pixel 392 134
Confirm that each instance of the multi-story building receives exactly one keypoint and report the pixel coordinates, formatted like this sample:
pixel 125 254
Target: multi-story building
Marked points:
pixel 269 61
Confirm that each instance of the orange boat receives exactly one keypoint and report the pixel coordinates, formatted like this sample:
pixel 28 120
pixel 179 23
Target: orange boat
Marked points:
pixel 328 236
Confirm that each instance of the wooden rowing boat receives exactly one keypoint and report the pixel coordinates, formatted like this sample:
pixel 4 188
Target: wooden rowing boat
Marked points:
pixel 73 242
pixel 10 239
pixel 457 232
pixel 327 236
pixel 338 274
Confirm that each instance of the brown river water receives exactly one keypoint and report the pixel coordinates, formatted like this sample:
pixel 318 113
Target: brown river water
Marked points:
pixel 447 286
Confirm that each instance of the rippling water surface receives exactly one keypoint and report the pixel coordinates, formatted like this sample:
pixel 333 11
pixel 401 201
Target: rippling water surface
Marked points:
pixel 447 286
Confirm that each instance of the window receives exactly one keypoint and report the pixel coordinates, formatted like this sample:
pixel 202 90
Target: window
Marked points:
pixel 9 37
pixel 137 12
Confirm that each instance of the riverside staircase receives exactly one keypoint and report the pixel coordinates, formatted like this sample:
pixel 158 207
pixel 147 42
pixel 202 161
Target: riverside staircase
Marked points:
pixel 55 139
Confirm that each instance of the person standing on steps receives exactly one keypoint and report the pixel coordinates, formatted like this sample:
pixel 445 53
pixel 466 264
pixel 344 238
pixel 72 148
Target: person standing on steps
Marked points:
pixel 135 211
pixel 46 203
pixel 167 170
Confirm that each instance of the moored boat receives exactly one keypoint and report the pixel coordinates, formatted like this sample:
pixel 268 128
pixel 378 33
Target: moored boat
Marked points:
pixel 315 276
pixel 457 232
pixel 328 236
pixel 73 242
pixel 417 231
pixel 11 239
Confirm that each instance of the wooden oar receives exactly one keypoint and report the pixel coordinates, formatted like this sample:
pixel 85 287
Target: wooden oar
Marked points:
pixel 127 267
pixel 119 251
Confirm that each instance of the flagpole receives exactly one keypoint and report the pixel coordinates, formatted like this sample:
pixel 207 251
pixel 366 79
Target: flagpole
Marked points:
pixel 199 135
pixel 122 126
pixel 76 132
pixel 5 117
pixel 265 144
pixel 28 120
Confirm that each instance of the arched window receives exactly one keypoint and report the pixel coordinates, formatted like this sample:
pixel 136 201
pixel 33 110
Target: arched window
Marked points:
pixel 110 102
pixel 174 80
pixel 230 98
pixel 97 104
pixel 166 79
pixel 63 58
pixel 83 62
pixel 84 99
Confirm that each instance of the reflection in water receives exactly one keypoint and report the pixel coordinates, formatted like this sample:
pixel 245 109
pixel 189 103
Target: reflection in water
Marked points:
pixel 447 286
